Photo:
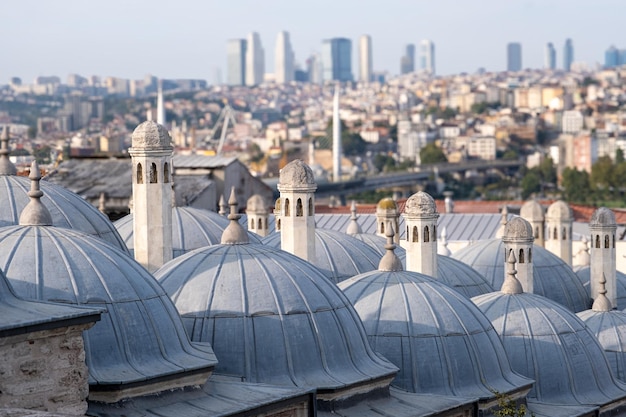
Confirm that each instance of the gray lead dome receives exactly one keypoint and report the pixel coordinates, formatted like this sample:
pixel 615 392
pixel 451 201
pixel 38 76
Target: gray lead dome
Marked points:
pixel 440 341
pixel 140 336
pixel 271 317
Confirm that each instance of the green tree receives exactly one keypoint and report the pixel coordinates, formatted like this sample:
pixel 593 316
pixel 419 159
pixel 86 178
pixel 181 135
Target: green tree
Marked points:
pixel 531 183
pixel 432 154
pixel 547 171
pixel 352 143
pixel 575 185
pixel 602 176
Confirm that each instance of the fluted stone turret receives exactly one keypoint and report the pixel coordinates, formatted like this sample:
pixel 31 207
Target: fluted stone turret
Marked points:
pixel 603 226
pixel 387 213
pixel 518 239
pixel 532 212
pixel 151 154
pixel 420 217
pixel 559 221
pixel 297 215
pixel 258 215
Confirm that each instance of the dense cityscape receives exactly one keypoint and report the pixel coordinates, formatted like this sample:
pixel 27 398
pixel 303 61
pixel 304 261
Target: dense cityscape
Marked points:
pixel 323 240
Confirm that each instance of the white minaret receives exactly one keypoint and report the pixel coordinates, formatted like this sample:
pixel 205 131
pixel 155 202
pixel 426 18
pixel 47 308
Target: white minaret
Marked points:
pixel 255 60
pixel 297 215
pixel 559 221
pixel 337 150
pixel 532 212
pixel 387 213
pixel 151 154
pixel 518 238
pixel 284 70
pixel 420 217
pixel 602 227
pixel 365 58
pixel 160 106
pixel 277 206
pixel 257 212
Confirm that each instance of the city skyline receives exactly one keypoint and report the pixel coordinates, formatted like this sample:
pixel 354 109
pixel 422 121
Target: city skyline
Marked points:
pixel 189 40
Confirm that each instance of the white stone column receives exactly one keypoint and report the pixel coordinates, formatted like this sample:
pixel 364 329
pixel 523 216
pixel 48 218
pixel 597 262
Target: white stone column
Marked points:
pixel 602 227
pixel 420 218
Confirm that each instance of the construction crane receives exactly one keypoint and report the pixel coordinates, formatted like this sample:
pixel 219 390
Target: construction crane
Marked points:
pixel 226 114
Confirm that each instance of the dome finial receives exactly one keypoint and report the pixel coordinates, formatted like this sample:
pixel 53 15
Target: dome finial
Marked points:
pixel 223 207
pixel 353 227
pixel 511 284
pixel 390 261
pixel 234 233
pixel 35 213
pixel 602 303
pixel 442 245
pixel 6 166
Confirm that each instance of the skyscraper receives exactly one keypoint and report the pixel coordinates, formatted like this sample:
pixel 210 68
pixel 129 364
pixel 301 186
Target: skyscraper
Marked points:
pixel 283 55
pixel 427 56
pixel 550 57
pixel 611 57
pixel 236 58
pixel 514 56
pixel 407 63
pixel 337 59
pixel 365 58
pixel 255 60
pixel 314 68
pixel 568 54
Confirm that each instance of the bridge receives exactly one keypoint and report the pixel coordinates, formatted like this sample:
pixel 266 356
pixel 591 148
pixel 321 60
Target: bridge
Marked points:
pixel 408 179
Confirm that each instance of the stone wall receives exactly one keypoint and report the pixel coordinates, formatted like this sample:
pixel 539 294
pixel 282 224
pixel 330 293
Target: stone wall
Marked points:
pixel 45 370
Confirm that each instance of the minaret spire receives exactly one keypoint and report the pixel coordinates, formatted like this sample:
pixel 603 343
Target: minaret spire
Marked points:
pixel 390 261
pixel 353 227
pixel 602 303
pixel 511 284
pixel 160 107
pixel 234 234
pixel 6 166
pixel 337 148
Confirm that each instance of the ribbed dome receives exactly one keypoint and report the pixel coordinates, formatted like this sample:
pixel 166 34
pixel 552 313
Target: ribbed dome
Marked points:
pixel 440 341
pixel 271 317
pixel 387 203
pixel 584 273
pixel 68 210
pixel 192 228
pixel 295 174
pixel 461 277
pixel 518 228
pixel 140 336
pixel 419 204
pixel 602 217
pixel 548 343
pixel 609 327
pixel 150 134
pixel 338 255
pixel 531 210
pixel 559 210
pixel 553 278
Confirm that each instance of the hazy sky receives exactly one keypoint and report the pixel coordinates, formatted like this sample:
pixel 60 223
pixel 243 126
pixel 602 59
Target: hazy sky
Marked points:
pixel 187 38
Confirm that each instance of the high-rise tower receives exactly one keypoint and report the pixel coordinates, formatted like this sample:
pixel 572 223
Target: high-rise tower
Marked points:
pixel 514 56
pixel 427 56
pixel 283 59
pixel 236 56
pixel 550 57
pixel 407 63
pixel 365 58
pixel 337 59
pixel 255 60
pixel 160 106
pixel 568 54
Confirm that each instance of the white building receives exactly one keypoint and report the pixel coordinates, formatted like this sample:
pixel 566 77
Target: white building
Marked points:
pixel 427 56
pixel 255 60
pixel 482 147
pixel 284 59
pixel 572 121
pixel 365 58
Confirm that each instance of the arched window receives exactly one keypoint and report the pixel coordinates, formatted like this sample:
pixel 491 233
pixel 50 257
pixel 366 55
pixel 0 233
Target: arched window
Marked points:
pixel 382 228
pixel 266 225
pixel 299 209
pixel 606 241
pixel 555 236
pixel 139 174
pixel 278 225
pixel 426 234
pixel 598 241
pixel 434 233
pixel 613 241
pixel 259 224
pixel 407 233
pixel 287 207
pixel 251 224
pixel 310 207
pixel 564 236
pixel 521 256
pixel 530 255
pixel 153 173
pixel 166 173
pixel 415 234
pixel 536 232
